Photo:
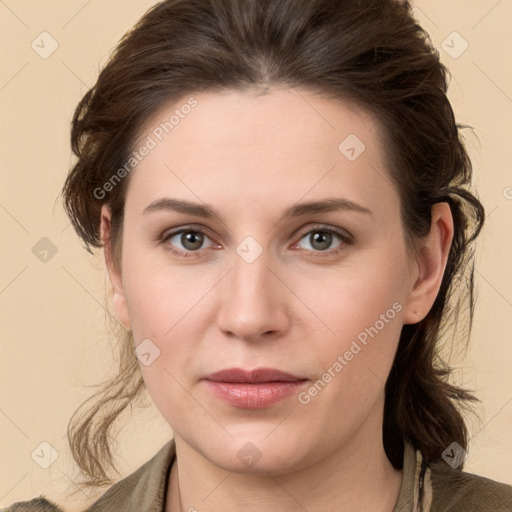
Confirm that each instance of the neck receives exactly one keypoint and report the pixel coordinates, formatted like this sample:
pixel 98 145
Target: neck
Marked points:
pixel 356 477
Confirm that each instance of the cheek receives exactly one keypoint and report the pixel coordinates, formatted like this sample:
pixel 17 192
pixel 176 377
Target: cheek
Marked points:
pixel 162 313
pixel 166 309
pixel 354 298
pixel 362 308
pixel 352 363
pixel 161 295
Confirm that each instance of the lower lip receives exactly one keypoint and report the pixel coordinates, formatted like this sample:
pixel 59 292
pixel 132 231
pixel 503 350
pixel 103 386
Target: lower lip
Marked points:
pixel 254 396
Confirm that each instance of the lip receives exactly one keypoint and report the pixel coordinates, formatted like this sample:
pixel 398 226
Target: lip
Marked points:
pixel 257 375
pixel 255 389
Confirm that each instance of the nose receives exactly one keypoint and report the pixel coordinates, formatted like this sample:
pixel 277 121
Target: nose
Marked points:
pixel 253 305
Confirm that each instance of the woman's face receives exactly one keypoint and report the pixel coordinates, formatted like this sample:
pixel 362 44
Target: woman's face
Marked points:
pixel 321 293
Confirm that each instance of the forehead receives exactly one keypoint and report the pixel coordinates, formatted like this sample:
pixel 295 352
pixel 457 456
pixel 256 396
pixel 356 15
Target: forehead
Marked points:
pixel 282 117
pixel 243 146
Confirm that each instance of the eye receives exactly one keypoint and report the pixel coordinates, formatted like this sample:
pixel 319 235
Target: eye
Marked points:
pixel 321 239
pixel 191 240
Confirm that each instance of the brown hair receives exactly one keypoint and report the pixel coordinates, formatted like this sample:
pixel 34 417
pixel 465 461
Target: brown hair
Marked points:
pixel 370 52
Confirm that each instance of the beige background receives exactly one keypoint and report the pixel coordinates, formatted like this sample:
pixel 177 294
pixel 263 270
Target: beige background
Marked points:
pixel 53 341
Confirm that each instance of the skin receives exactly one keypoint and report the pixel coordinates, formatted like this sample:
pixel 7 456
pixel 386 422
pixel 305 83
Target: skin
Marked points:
pixel 250 157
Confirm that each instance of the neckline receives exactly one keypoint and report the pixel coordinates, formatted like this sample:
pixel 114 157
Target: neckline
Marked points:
pixel 415 488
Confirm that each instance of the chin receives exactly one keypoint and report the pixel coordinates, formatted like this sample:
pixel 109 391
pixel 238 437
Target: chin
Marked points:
pixel 257 455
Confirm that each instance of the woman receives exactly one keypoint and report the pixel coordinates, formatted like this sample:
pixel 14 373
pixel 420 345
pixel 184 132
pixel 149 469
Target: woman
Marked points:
pixel 282 197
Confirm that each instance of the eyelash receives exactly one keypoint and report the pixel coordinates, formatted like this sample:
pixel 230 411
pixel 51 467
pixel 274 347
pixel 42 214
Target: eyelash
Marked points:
pixel 345 239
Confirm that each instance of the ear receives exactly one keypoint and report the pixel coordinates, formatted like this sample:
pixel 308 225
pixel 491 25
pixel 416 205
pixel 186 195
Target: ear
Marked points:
pixel 114 273
pixel 431 263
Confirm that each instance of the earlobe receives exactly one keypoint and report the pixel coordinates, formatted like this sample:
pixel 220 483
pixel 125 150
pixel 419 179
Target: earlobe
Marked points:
pixel 431 263
pixel 119 303
pixel 114 274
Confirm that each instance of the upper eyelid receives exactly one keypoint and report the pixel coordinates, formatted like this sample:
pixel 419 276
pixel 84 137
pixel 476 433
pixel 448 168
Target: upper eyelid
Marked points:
pixel 176 231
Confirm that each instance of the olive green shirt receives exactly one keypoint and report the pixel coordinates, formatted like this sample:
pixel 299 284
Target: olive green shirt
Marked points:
pixel 433 488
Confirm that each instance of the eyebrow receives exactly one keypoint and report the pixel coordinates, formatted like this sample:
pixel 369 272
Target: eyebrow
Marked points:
pixel 297 210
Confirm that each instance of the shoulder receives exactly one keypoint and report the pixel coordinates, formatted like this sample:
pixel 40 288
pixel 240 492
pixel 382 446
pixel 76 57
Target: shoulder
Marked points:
pixel 453 489
pixel 38 504
pixel 142 490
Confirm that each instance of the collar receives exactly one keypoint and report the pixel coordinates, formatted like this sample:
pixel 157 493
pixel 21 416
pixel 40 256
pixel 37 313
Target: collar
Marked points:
pixel 415 493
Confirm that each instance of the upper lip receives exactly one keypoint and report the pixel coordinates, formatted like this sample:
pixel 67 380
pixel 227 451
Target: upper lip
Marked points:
pixel 252 376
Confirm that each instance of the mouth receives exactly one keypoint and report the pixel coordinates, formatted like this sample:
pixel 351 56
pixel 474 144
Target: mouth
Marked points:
pixel 257 389
pixel 256 376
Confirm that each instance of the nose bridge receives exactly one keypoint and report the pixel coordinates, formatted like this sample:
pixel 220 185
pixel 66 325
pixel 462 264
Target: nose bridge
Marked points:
pixel 253 304
pixel 249 277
